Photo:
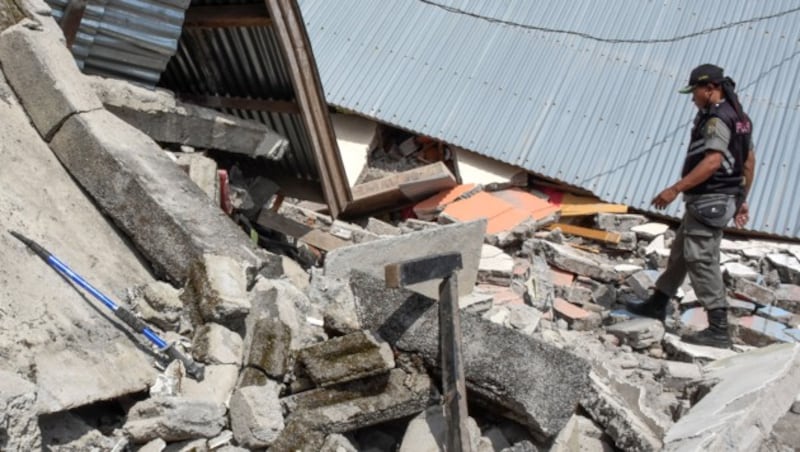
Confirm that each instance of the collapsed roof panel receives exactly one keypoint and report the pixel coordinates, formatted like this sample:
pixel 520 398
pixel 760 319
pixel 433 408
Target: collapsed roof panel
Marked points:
pixel 126 38
pixel 582 92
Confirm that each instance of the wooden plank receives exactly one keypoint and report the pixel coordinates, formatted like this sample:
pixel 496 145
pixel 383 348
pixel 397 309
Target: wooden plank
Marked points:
pixel 573 205
pixel 292 36
pixel 589 233
pixel 314 237
pixel 240 103
pixel 414 271
pixel 454 387
pixel 226 16
pixel 71 20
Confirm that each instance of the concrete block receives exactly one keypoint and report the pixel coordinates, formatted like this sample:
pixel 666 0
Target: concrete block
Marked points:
pixel 734 270
pixel 618 222
pixel 223 298
pixel 752 291
pixel 788 267
pixel 579 319
pixel 217 385
pixel 410 323
pixel 679 374
pixel 379 227
pixel 345 358
pixel 267 348
pixel 44 76
pixel 695 318
pixel 256 416
pixel 173 419
pixel 181 224
pixel 215 344
pixel 524 318
pixel 372 257
pixel 639 333
pixel 202 171
pixel 788 297
pixel 572 260
pixel 158 114
pixel 159 304
pixel 19 420
pixel 642 282
pixel 747 396
pixel 649 231
pixel 495 265
pixel 351 406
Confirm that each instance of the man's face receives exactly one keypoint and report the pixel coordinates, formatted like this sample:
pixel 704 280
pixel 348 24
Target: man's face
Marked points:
pixel 701 95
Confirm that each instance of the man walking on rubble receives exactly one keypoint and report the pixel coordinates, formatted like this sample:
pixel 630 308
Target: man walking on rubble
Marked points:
pixel 716 178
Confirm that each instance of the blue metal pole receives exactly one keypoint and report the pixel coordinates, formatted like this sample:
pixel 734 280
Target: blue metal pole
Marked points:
pixel 193 368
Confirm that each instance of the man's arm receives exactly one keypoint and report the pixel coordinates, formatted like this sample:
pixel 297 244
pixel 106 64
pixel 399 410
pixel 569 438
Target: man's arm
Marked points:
pixel 700 173
pixel 749 172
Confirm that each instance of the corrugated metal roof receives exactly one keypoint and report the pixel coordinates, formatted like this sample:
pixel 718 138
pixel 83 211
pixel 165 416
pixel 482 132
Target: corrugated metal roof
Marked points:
pixel 243 62
pixel 130 39
pixel 580 91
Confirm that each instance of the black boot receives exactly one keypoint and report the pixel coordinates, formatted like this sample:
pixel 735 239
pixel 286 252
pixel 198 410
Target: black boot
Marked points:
pixel 654 307
pixel 716 335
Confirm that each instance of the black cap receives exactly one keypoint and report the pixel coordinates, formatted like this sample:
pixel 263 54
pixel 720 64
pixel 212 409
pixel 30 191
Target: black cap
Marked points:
pixel 701 75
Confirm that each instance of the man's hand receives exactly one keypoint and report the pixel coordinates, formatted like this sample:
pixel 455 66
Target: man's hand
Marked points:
pixel 742 215
pixel 665 197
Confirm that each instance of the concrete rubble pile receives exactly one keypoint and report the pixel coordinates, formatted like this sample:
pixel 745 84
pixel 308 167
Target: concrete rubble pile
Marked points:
pixel 311 350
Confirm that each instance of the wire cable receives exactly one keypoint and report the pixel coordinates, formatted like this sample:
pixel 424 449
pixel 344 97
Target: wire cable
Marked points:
pixel 455 10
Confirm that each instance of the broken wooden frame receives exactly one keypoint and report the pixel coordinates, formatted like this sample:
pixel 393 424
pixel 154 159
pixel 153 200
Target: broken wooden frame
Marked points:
pixel 443 266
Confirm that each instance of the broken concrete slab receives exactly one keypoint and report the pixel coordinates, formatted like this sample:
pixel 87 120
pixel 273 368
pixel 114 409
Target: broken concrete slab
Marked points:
pixel 215 344
pixel 579 319
pixel 758 331
pixel 639 333
pixel 752 291
pixel 173 419
pixel 580 434
pixel 495 265
pixel 371 257
pixel 159 304
pixel 353 405
pixel 19 420
pixel 734 270
pixel 410 322
pixel 571 259
pixel 691 353
pixel 788 297
pixel 427 433
pixel 202 171
pixel 618 222
pixel 748 395
pixel 181 224
pixel 642 282
pixel 649 231
pixel 217 386
pixel 40 309
pixel 165 119
pixel 344 358
pixel 788 267
pixel 620 422
pixel 256 416
pixel 45 76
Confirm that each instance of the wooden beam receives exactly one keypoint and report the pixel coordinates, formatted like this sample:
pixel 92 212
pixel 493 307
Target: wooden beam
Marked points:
pixel 589 233
pixel 240 103
pixel 289 26
pixel 71 20
pixel 226 16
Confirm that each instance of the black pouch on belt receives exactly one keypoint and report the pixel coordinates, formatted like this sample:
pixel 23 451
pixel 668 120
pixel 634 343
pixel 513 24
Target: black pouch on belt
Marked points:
pixel 714 210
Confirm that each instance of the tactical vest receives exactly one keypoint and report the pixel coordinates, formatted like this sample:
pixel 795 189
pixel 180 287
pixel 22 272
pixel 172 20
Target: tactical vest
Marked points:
pixel 728 178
